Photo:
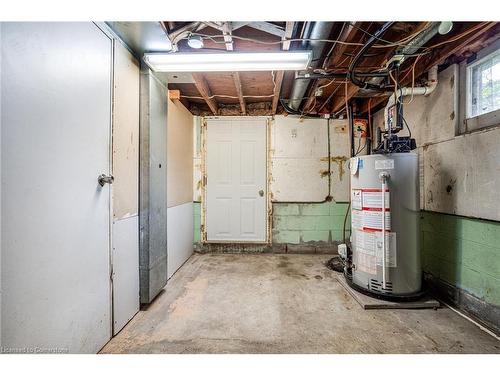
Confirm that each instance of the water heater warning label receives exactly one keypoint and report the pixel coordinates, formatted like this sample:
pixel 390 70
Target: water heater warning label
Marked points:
pixel 368 250
pixel 366 210
pixel 373 220
pixel 372 199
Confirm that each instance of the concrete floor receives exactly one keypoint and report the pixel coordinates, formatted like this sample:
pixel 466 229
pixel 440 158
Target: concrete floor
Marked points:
pixel 263 303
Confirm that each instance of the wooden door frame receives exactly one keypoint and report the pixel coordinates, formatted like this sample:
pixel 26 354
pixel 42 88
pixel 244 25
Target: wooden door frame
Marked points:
pixel 268 208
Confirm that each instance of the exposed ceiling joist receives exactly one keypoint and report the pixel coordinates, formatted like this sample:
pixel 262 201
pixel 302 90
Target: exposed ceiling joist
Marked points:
pixel 269 28
pixel 278 78
pixel 238 25
pixel 202 86
pixel 237 84
pixel 339 101
pixel 226 31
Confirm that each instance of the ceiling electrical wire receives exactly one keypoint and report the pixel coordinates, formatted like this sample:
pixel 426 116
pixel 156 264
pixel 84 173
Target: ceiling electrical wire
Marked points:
pixel 456 37
pixel 400 43
pixel 360 55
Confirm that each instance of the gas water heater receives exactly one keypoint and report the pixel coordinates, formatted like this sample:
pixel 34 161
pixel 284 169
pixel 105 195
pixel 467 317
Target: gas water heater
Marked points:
pixel 385 253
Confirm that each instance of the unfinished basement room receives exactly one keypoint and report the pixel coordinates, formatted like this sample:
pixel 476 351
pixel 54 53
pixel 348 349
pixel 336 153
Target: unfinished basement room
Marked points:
pixel 171 186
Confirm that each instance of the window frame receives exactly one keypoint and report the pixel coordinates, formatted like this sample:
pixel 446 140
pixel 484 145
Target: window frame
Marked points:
pixel 484 120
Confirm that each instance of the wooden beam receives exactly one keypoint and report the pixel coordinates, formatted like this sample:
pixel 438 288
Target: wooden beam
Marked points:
pixel 269 28
pixel 174 94
pixel 202 86
pixel 339 101
pixel 239 90
pixel 278 78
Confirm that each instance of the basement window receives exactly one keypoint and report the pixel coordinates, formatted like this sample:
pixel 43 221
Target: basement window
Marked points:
pixel 483 91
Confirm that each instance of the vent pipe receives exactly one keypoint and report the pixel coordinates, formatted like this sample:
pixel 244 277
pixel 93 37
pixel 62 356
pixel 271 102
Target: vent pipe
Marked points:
pixel 319 30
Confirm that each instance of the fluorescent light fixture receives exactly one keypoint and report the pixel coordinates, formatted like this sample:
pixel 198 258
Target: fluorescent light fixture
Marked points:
pixel 228 61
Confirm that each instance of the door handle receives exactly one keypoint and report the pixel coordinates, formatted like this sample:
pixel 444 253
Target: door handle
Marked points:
pixel 261 193
pixel 103 179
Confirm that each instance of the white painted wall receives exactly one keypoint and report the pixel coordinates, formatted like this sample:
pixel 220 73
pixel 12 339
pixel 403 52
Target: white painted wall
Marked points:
pixel 469 163
pixel 179 235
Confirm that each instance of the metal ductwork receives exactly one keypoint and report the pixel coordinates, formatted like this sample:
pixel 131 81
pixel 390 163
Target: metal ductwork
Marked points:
pixel 413 46
pixel 318 30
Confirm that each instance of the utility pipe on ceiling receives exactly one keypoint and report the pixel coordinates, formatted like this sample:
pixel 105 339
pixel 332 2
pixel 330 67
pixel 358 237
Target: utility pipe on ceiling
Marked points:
pixel 319 30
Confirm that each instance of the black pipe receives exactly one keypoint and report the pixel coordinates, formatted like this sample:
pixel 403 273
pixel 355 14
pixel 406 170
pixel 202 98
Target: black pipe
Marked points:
pixel 359 56
pixel 351 128
pixel 291 111
pixel 342 75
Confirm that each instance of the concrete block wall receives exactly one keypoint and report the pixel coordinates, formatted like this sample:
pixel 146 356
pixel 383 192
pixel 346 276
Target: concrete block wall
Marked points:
pixel 460 258
pixel 463 252
pixel 297 223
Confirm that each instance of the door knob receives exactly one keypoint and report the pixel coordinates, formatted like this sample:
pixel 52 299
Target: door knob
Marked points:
pixel 103 179
pixel 261 193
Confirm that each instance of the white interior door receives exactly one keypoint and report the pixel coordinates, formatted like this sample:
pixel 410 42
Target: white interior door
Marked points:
pixel 125 188
pixel 236 179
pixel 56 122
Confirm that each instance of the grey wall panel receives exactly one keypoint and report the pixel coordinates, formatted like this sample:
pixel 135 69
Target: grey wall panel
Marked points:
pixel 153 186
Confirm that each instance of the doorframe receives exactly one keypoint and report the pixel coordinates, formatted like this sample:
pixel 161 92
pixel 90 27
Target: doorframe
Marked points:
pixel 115 39
pixel 203 152
pixel 107 32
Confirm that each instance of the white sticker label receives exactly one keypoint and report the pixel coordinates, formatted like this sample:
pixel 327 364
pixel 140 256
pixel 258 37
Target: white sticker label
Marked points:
pixel 354 165
pixel 384 164
pixel 357 219
pixel 365 254
pixel 356 199
pixel 390 249
pixel 368 250
pixel 366 263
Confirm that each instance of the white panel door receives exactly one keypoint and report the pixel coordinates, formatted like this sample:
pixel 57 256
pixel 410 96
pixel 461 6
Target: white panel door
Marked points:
pixel 56 120
pixel 236 179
